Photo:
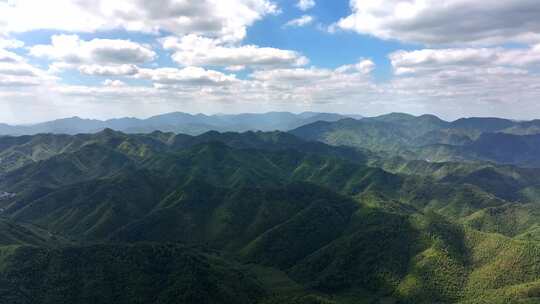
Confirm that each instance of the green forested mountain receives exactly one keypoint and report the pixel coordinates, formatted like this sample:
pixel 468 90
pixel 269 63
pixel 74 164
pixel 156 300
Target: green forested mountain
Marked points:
pixel 267 218
pixel 429 138
pixel 143 273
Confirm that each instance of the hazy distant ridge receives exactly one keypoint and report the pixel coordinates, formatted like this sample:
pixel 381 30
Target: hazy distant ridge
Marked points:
pixel 178 122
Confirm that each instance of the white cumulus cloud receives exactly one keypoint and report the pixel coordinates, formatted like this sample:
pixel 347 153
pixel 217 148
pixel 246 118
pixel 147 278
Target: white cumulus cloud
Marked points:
pixel 428 59
pixel 189 76
pixel 446 22
pixel 111 70
pixel 71 49
pixel 114 83
pixel 6 43
pixel 192 50
pixel 301 21
pixel 16 72
pixel 226 20
pixel 305 5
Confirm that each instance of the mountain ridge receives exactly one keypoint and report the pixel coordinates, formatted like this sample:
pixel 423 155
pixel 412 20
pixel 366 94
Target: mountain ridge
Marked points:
pixel 265 218
pixel 178 122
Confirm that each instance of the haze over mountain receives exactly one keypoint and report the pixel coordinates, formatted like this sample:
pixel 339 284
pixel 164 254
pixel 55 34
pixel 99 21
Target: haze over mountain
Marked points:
pixel 178 122
pixel 427 137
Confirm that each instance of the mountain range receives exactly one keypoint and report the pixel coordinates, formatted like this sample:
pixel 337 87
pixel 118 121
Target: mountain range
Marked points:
pixel 177 122
pixel 429 138
pixel 391 209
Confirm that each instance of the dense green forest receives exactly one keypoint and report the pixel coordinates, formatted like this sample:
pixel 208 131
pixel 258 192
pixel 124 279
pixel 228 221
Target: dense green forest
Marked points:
pixel 391 209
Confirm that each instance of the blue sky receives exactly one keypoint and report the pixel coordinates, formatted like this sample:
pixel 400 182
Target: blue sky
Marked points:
pixel 324 49
pixel 103 59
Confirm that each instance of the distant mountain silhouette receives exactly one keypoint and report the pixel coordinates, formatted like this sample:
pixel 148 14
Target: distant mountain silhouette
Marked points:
pixel 177 122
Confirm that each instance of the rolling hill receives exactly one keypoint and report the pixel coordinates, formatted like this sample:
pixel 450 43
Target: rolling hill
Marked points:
pixel 429 138
pixel 263 218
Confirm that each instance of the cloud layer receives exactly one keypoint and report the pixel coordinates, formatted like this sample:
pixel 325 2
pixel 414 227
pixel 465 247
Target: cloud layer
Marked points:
pixel 226 20
pixel 72 50
pixel 436 22
pixel 192 50
pixel 16 72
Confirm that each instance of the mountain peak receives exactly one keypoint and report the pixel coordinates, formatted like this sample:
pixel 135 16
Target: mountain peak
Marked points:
pixel 109 131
